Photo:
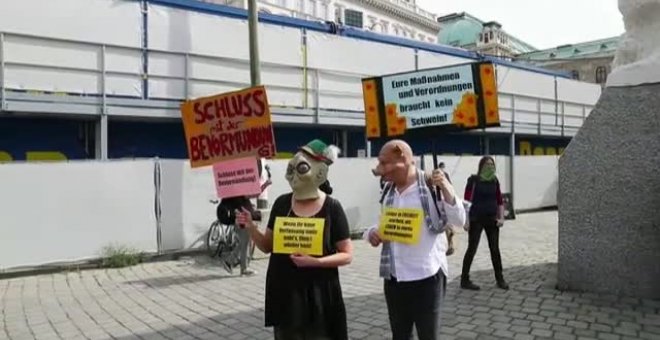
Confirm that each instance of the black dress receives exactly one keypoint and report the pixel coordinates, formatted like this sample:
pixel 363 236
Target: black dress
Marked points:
pixel 299 298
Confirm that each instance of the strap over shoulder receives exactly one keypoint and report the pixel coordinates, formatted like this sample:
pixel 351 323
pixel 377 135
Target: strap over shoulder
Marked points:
pixel 386 189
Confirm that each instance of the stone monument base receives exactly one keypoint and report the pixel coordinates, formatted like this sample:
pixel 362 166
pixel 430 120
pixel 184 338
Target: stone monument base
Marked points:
pixel 609 197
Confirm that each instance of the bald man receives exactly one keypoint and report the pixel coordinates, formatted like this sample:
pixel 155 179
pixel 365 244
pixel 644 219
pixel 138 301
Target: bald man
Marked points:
pixel 415 275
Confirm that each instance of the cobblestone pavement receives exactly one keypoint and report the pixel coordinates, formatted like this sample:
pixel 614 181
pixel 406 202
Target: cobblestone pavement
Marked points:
pixel 195 299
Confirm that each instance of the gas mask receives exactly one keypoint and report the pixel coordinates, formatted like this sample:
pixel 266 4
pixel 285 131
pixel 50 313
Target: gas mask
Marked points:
pixel 308 169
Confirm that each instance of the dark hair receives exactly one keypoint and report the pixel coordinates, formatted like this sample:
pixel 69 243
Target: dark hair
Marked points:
pixel 441 165
pixel 483 161
pixel 326 188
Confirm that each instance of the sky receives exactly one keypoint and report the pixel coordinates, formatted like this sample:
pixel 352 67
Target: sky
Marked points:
pixel 541 23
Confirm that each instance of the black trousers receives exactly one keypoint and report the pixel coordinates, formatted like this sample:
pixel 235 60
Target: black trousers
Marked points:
pixel 415 303
pixel 477 225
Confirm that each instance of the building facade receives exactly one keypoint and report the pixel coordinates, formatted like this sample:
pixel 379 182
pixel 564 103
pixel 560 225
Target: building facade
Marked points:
pixel 469 32
pixel 84 89
pixel 588 61
pixel 401 18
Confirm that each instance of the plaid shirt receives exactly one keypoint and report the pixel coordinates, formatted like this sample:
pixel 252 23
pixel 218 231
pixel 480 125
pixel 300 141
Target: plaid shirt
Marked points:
pixel 387 268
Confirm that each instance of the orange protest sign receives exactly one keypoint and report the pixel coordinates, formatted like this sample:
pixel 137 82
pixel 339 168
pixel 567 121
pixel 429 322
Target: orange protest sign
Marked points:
pixel 228 126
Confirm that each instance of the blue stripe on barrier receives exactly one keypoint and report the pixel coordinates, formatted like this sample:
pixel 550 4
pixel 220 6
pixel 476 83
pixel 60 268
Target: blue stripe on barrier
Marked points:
pixel 239 13
pixel 392 40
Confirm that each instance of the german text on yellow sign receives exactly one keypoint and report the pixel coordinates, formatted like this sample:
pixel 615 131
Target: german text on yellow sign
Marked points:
pixel 298 236
pixel 401 225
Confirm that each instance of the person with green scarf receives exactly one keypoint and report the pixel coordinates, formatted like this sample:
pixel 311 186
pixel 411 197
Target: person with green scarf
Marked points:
pixel 486 213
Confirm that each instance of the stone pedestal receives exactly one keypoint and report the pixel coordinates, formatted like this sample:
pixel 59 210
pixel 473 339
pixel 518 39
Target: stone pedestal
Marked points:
pixel 609 197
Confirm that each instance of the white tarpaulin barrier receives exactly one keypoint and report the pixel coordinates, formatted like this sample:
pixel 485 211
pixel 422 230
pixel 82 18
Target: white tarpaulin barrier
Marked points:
pixel 51 212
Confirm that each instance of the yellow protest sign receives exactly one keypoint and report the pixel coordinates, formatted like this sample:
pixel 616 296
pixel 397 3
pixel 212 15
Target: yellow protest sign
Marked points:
pixel 298 236
pixel 401 225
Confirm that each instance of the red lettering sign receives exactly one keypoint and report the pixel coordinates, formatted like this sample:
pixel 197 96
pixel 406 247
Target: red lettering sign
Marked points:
pixel 228 126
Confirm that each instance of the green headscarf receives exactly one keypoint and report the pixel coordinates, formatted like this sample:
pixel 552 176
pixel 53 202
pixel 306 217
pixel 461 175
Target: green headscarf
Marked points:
pixel 487 173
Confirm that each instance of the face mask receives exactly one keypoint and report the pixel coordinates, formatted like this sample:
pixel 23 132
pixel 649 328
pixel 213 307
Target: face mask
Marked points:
pixel 488 173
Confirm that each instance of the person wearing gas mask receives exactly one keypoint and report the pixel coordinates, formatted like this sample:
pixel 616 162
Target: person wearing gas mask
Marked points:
pixel 303 294
pixel 415 275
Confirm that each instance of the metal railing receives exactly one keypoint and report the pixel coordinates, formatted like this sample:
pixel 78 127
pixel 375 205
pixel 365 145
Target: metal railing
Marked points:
pixel 311 92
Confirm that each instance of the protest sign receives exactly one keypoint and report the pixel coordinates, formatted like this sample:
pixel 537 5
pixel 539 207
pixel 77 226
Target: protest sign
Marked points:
pixel 238 177
pixel 401 225
pixel 459 97
pixel 228 126
pixel 298 236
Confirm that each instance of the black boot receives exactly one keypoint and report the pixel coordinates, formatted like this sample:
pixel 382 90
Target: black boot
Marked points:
pixel 467 284
pixel 501 283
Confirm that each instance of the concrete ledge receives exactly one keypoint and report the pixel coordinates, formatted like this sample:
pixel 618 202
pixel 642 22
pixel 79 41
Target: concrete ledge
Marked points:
pixel 96 263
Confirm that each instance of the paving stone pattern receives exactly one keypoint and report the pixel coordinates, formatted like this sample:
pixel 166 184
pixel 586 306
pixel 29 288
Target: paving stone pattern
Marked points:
pixel 195 299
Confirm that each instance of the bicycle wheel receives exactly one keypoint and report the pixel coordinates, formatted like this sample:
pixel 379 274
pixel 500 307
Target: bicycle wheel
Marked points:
pixel 213 238
pixel 228 247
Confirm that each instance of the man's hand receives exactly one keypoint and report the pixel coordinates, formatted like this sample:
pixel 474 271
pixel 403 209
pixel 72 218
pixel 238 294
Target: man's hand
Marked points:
pixel 439 179
pixel 374 238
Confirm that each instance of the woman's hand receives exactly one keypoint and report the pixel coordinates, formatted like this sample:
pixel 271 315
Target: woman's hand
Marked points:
pixel 266 184
pixel 305 261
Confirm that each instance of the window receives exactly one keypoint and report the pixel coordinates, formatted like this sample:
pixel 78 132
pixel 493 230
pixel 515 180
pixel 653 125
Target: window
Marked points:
pixel 601 74
pixel 575 74
pixel 481 37
pixel 353 18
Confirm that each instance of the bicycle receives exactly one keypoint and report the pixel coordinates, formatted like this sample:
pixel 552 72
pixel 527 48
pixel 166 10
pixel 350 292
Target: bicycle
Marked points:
pixel 222 241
